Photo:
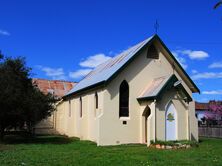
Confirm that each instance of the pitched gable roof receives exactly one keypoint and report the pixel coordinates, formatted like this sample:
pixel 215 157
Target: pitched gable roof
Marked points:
pixel 104 71
pixel 107 70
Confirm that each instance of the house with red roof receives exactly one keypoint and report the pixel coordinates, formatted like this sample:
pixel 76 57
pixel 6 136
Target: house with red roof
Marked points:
pixel 58 88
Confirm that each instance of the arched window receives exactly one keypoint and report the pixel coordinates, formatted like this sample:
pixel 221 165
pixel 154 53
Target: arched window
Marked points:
pixel 96 100
pixel 96 103
pixel 124 99
pixel 80 106
pixel 70 108
pixel 152 52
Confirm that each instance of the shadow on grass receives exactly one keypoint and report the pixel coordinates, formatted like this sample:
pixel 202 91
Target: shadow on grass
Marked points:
pixel 39 139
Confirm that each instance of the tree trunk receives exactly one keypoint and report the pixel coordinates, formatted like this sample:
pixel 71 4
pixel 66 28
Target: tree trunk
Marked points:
pixel 30 128
pixel 2 133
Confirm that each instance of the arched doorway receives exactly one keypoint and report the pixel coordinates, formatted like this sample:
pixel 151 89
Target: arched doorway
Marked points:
pixel 146 114
pixel 171 122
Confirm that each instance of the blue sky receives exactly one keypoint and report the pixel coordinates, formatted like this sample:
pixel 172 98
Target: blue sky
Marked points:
pixel 65 39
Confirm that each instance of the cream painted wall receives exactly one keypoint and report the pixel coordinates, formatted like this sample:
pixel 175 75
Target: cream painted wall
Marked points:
pixel 60 118
pixel 85 127
pixel 182 115
pixel 46 126
pixel 139 73
pixel 193 125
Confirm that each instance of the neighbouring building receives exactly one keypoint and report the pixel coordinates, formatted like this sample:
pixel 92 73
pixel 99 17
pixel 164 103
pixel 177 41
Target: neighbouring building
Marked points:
pixel 201 109
pixel 140 95
pixel 58 88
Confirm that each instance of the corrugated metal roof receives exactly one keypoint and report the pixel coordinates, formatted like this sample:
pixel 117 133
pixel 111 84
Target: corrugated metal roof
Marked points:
pixel 106 70
pixel 201 106
pixel 56 87
pixel 154 87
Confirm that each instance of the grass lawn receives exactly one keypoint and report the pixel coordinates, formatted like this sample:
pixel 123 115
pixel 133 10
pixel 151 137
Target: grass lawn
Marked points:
pixel 58 150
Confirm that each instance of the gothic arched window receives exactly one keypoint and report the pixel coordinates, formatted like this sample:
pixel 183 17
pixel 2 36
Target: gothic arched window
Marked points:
pixel 80 106
pixel 96 100
pixel 124 99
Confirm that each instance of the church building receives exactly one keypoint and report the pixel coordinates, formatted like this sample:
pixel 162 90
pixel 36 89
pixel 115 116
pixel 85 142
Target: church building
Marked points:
pixel 141 95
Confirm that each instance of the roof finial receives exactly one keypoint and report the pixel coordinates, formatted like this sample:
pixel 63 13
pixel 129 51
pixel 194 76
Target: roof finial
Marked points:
pixel 156 26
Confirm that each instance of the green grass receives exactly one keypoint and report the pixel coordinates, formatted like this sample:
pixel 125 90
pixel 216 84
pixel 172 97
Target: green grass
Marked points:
pixel 58 150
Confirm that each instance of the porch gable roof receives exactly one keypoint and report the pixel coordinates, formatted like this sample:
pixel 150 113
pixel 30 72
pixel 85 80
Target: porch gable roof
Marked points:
pixel 158 85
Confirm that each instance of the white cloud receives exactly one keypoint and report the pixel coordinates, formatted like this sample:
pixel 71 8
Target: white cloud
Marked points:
pixel 180 56
pixel 180 59
pixel 54 73
pixel 5 33
pixel 213 92
pixel 88 65
pixel 207 75
pixel 194 71
pixel 198 55
pixel 203 100
pixel 79 73
pixel 95 60
pixel 216 65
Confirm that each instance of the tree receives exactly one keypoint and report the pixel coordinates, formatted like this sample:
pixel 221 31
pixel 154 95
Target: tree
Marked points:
pixel 216 107
pixel 213 116
pixel 218 4
pixel 37 107
pixel 21 102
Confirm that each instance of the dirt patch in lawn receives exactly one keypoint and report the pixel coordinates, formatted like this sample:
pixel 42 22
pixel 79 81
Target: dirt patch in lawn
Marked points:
pixel 5 147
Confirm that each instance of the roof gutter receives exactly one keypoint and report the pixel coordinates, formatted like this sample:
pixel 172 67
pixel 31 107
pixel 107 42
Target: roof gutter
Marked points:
pixel 84 89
